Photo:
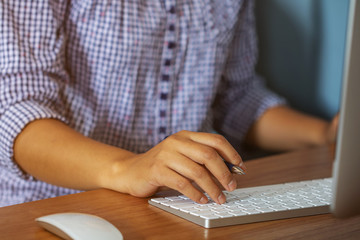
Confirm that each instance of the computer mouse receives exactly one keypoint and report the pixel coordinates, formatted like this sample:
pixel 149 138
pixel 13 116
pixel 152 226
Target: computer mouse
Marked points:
pixel 79 226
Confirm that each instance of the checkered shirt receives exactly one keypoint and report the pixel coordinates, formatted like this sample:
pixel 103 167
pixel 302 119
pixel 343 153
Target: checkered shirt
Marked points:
pixel 126 73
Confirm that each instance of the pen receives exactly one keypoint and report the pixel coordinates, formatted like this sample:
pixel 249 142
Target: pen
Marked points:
pixel 235 169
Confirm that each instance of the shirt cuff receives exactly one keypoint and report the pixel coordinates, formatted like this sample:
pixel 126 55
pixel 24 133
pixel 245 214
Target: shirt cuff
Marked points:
pixel 12 122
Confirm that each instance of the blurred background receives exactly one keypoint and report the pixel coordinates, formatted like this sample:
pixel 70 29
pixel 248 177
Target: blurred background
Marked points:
pixel 302 44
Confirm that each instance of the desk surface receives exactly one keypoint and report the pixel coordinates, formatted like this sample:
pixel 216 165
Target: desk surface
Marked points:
pixel 136 219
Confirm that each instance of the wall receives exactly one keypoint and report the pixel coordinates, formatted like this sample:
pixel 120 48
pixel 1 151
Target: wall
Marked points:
pixel 301 45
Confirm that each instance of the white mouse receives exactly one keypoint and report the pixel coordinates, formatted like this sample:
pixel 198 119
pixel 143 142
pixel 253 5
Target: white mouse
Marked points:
pixel 79 226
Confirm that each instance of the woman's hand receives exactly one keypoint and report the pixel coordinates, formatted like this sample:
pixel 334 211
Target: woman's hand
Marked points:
pixel 176 162
pixel 331 130
pixel 53 152
pixel 284 129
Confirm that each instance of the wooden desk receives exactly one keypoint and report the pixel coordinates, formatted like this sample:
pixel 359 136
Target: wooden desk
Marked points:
pixel 136 219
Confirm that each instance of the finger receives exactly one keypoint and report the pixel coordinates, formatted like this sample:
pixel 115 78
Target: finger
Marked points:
pixel 332 132
pixel 174 180
pixel 208 156
pixel 222 146
pixel 200 175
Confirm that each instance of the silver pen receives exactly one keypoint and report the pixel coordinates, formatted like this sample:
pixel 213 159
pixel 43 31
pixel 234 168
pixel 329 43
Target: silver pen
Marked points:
pixel 235 169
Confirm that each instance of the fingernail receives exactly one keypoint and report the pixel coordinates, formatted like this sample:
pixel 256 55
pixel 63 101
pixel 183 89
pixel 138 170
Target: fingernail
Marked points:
pixel 243 167
pixel 232 185
pixel 203 200
pixel 221 198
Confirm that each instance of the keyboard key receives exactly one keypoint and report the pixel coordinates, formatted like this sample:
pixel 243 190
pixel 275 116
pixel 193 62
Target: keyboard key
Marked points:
pixel 263 201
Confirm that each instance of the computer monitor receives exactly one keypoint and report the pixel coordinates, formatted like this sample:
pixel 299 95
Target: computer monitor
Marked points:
pixel 346 168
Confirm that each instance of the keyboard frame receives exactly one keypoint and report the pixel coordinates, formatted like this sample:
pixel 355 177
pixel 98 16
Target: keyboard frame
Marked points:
pixel 251 218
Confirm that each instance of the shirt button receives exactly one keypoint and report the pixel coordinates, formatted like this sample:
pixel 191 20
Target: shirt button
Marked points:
pixel 171 27
pixel 171 45
pixel 162 130
pixel 167 62
pixel 165 77
pixel 172 10
pixel 162 113
pixel 163 96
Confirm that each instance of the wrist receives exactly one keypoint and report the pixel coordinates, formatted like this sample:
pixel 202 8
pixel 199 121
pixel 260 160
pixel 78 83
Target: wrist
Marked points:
pixel 321 134
pixel 113 172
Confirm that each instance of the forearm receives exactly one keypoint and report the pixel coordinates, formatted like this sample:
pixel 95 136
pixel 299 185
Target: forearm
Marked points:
pixel 53 152
pixel 282 129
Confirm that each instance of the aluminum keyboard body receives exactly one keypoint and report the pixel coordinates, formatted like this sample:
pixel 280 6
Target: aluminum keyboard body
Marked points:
pixel 255 204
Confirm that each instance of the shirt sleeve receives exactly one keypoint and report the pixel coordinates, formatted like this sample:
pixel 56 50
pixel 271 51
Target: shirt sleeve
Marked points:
pixel 243 96
pixel 32 73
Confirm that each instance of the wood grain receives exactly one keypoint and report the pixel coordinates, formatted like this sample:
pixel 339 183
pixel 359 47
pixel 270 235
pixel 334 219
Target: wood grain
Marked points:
pixel 136 219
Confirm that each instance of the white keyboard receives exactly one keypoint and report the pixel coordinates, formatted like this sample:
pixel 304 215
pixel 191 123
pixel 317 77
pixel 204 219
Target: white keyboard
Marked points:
pixel 255 204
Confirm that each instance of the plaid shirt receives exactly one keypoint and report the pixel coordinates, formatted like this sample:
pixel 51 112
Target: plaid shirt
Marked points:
pixel 126 73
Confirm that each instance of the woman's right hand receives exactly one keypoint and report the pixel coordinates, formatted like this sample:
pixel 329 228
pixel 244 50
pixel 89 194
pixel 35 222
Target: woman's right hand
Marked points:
pixel 176 162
